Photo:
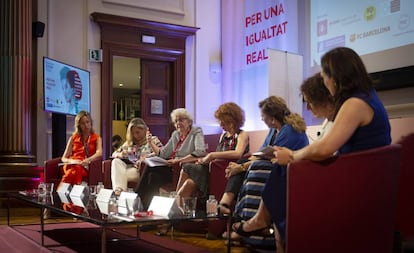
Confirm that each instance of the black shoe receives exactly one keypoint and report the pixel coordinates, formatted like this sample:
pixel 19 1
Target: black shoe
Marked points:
pixel 163 230
pixel 223 209
pixel 260 232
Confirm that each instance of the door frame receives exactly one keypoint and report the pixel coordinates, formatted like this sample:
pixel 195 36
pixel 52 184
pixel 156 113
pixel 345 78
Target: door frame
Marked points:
pixel 120 36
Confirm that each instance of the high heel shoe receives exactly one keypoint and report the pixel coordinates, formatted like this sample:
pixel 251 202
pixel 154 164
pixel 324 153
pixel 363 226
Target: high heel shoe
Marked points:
pixel 223 209
pixel 265 231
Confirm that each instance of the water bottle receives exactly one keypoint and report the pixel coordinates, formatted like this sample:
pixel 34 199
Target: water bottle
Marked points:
pixel 112 206
pixel 99 187
pixel 211 206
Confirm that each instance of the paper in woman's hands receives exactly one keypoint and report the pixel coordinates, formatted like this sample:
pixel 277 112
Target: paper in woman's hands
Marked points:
pixel 154 161
pixel 265 153
pixel 124 159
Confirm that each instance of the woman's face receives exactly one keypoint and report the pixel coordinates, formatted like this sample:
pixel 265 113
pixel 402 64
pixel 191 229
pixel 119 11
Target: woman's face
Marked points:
pixel 138 133
pixel 315 109
pixel 182 124
pixel 269 121
pixel 85 124
pixel 68 91
pixel 329 83
pixel 226 126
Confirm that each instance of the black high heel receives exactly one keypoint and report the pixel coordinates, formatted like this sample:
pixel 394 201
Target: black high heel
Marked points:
pixel 265 231
pixel 223 206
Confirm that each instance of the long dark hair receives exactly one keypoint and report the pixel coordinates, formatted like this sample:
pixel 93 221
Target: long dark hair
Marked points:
pixel 349 73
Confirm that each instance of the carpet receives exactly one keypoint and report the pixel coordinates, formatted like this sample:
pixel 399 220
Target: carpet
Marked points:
pixel 13 242
pixel 61 238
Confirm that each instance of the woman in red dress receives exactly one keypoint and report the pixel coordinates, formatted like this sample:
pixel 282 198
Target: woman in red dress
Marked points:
pixel 83 146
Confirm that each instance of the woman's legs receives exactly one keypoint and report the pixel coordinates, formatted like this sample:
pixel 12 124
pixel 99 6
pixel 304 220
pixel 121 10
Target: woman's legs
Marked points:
pixel 187 189
pixel 232 189
pixel 73 174
pixel 225 202
pixel 183 177
pixel 118 175
pixel 280 247
pixel 258 221
pixel 152 180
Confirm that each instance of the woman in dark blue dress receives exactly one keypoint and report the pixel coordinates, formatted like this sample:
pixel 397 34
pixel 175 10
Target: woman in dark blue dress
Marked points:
pixel 360 122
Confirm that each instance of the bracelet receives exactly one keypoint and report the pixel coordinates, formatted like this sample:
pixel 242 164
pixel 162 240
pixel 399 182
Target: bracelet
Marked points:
pixel 243 167
pixel 291 158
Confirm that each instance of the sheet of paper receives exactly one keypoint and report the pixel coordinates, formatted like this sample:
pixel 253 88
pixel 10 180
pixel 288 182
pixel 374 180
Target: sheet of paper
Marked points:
pixel 155 161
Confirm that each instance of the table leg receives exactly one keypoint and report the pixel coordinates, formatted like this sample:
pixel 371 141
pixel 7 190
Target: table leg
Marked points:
pixel 229 234
pixel 103 240
pixel 138 231
pixel 42 227
pixel 8 210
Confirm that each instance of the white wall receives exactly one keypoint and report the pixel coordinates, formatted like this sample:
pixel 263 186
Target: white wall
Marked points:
pixel 70 32
pixel 207 88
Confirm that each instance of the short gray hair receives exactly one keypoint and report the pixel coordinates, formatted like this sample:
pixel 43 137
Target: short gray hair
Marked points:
pixel 181 112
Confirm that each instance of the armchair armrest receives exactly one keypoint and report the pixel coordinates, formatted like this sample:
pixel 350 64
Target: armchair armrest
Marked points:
pixel 106 171
pixel 217 182
pixel 52 171
pixel 95 171
pixel 349 201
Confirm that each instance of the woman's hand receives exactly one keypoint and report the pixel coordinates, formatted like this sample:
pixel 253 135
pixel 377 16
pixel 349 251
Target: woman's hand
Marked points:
pixel 283 155
pixel 149 136
pixel 137 164
pixel 85 163
pixel 205 160
pixel 173 161
pixel 233 169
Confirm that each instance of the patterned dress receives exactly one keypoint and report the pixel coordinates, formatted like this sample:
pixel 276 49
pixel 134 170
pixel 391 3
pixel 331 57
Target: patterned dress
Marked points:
pixel 256 177
pixel 199 173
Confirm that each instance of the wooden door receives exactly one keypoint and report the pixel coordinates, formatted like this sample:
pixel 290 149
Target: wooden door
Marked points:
pixel 163 70
pixel 157 96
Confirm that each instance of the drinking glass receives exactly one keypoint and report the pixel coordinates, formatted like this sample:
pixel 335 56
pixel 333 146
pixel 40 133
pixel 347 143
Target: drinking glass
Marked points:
pixel 189 206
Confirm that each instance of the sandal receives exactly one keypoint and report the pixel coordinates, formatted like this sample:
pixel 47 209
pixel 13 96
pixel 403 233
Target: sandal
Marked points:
pixel 223 209
pixel 259 232
pixel 118 191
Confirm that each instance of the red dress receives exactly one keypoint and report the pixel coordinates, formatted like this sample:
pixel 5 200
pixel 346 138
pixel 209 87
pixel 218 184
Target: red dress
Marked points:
pixel 73 173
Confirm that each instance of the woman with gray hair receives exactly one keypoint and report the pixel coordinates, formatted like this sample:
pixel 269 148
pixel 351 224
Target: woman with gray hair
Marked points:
pixel 127 158
pixel 185 143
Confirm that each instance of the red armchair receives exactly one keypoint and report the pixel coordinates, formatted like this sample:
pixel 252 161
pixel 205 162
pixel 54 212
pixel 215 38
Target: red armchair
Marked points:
pixel 344 204
pixel 405 204
pixel 54 172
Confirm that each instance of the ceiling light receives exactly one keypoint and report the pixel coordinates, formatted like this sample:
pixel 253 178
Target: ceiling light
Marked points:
pixel 121 85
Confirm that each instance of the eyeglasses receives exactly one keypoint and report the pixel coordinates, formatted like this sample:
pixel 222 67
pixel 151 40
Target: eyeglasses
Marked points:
pixel 180 120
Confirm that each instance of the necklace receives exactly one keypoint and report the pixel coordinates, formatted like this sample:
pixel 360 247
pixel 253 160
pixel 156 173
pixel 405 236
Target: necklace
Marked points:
pixel 179 143
pixel 86 146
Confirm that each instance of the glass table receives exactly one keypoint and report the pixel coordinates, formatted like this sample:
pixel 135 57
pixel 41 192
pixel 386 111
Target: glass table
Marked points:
pixel 95 212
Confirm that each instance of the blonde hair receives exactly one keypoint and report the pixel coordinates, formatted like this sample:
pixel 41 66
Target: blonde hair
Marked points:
pixel 135 122
pixel 78 118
